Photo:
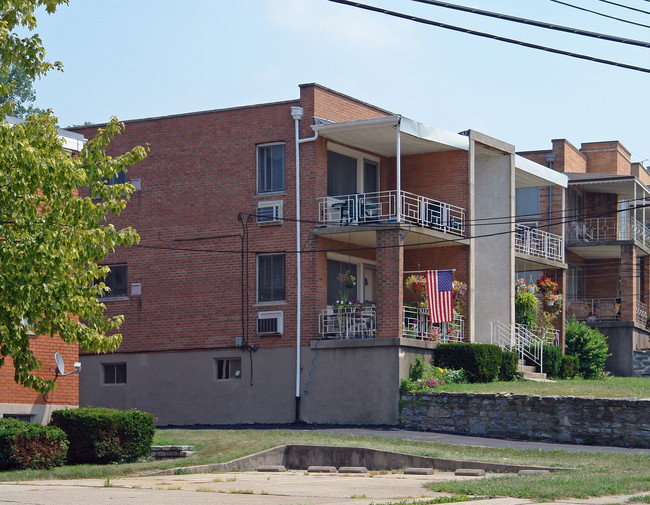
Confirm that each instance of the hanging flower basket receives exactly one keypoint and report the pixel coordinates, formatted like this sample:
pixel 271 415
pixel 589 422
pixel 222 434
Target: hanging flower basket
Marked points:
pixel 415 283
pixel 347 279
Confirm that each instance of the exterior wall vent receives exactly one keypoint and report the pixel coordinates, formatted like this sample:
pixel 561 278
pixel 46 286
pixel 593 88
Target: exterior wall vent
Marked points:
pixel 269 213
pixel 269 322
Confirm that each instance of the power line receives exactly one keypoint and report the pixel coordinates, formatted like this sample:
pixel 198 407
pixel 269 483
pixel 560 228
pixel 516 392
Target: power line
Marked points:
pixel 539 24
pixel 625 6
pixel 601 14
pixel 491 36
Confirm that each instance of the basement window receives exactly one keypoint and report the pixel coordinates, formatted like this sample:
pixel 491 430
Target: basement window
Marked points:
pixel 227 369
pixel 19 417
pixel 113 373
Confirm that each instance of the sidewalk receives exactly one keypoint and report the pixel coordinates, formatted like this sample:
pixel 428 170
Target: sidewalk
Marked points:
pixel 250 488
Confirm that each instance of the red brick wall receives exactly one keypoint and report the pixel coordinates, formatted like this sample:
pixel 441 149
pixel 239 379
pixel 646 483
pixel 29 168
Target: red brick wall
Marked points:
pixel 607 158
pixel 67 388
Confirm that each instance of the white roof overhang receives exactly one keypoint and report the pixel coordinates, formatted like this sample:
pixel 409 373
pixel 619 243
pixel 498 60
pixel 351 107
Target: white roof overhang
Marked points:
pixel 623 187
pixel 379 135
pixel 529 174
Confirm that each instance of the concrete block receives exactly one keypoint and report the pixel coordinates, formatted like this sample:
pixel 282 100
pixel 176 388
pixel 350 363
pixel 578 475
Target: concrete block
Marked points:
pixel 533 472
pixel 322 469
pixel 353 469
pixel 470 472
pixel 418 471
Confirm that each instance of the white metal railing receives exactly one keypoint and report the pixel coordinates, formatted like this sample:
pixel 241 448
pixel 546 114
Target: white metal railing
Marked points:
pixel 593 309
pixel 520 339
pixel 348 322
pixel 535 242
pixel 381 207
pixel 599 229
pixel 641 313
pixel 417 325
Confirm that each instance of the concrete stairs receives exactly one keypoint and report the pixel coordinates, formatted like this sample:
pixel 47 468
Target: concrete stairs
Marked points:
pixel 530 373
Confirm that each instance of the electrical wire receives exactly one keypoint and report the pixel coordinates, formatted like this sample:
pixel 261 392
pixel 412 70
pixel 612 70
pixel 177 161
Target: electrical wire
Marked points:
pixel 491 36
pixel 625 6
pixel 538 24
pixel 601 14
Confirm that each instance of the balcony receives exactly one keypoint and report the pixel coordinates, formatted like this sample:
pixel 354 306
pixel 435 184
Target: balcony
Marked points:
pixel 603 309
pixel 608 229
pixel 539 243
pixel 381 207
pixel 347 323
pixel 417 325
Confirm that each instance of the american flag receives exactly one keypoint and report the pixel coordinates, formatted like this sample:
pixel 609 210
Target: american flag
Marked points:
pixel 439 289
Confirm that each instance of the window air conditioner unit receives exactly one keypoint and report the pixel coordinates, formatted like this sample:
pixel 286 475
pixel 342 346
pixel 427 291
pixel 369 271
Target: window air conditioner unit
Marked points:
pixel 269 323
pixel 269 213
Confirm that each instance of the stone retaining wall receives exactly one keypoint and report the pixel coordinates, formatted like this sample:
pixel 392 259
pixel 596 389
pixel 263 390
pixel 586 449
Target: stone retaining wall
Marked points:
pixel 580 420
pixel 641 363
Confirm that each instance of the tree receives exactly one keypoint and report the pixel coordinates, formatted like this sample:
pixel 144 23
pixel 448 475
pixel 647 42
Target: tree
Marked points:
pixel 51 238
pixel 22 91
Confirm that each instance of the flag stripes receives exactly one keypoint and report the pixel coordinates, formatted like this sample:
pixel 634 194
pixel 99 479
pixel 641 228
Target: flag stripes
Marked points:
pixel 439 291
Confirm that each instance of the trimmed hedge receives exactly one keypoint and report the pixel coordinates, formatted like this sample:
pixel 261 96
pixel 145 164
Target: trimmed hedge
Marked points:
pixel 100 436
pixel 481 362
pixel 28 445
pixel 552 360
pixel 509 366
pixel 589 346
pixel 569 367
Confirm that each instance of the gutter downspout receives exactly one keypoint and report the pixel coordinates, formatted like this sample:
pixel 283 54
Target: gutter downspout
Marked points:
pixel 296 113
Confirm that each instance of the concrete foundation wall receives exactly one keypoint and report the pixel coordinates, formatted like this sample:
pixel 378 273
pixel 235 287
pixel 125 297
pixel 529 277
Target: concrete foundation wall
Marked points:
pixel 39 413
pixel 641 363
pixel 357 381
pixel 623 338
pixel 179 388
pixel 601 421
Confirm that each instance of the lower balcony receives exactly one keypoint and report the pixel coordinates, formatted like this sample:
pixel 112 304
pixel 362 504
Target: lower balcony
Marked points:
pixel 608 229
pixel 593 310
pixel 356 323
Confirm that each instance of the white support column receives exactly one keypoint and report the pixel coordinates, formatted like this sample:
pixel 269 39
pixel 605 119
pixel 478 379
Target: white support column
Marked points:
pixel 398 164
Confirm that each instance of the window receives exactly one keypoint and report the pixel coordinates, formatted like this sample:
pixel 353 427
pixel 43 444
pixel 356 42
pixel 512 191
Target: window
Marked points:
pixel 366 279
pixel 114 373
pixel 527 202
pixel 119 178
pixel 227 369
pixel 20 417
pixel 270 168
pixel 270 278
pixel 350 172
pixel 116 281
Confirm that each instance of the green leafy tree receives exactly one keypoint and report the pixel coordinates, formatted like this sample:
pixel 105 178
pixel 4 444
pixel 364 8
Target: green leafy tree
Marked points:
pixel 22 93
pixel 51 238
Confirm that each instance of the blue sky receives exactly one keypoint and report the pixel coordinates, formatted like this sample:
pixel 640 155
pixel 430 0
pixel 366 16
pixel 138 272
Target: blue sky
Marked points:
pixel 144 58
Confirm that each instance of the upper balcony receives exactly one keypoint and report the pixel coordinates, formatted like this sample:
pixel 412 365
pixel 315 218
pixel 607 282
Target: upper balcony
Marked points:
pixel 608 229
pixel 382 207
pixel 539 243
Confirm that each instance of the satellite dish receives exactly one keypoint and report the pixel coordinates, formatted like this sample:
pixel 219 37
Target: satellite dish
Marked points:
pixel 60 367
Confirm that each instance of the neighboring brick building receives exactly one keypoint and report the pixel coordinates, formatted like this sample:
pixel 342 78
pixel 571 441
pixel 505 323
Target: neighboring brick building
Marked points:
pixel 23 403
pixel 607 241
pixel 224 325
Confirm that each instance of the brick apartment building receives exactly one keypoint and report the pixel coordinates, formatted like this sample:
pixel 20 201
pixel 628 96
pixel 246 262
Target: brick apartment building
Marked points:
pixel 25 404
pixel 246 217
pixel 607 241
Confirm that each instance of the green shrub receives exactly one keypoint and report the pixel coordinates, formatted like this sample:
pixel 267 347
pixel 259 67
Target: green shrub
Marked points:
pixel 26 445
pixel 509 370
pixel 569 367
pixel 99 435
pixel 481 362
pixel 589 346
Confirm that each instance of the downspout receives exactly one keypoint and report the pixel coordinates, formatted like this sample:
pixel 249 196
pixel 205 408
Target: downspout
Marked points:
pixel 398 163
pixel 296 113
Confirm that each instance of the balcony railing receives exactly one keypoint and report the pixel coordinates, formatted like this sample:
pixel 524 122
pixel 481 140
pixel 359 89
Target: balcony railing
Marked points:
pixel 381 207
pixel 600 229
pixel 603 309
pixel 347 323
pixel 417 325
pixel 535 242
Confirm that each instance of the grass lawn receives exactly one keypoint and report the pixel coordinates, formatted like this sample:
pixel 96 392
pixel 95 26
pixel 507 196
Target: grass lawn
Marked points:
pixel 612 387
pixel 594 475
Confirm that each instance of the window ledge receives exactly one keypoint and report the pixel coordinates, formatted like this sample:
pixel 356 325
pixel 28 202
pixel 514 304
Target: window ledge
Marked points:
pixel 271 193
pixel 270 304
pixel 114 299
